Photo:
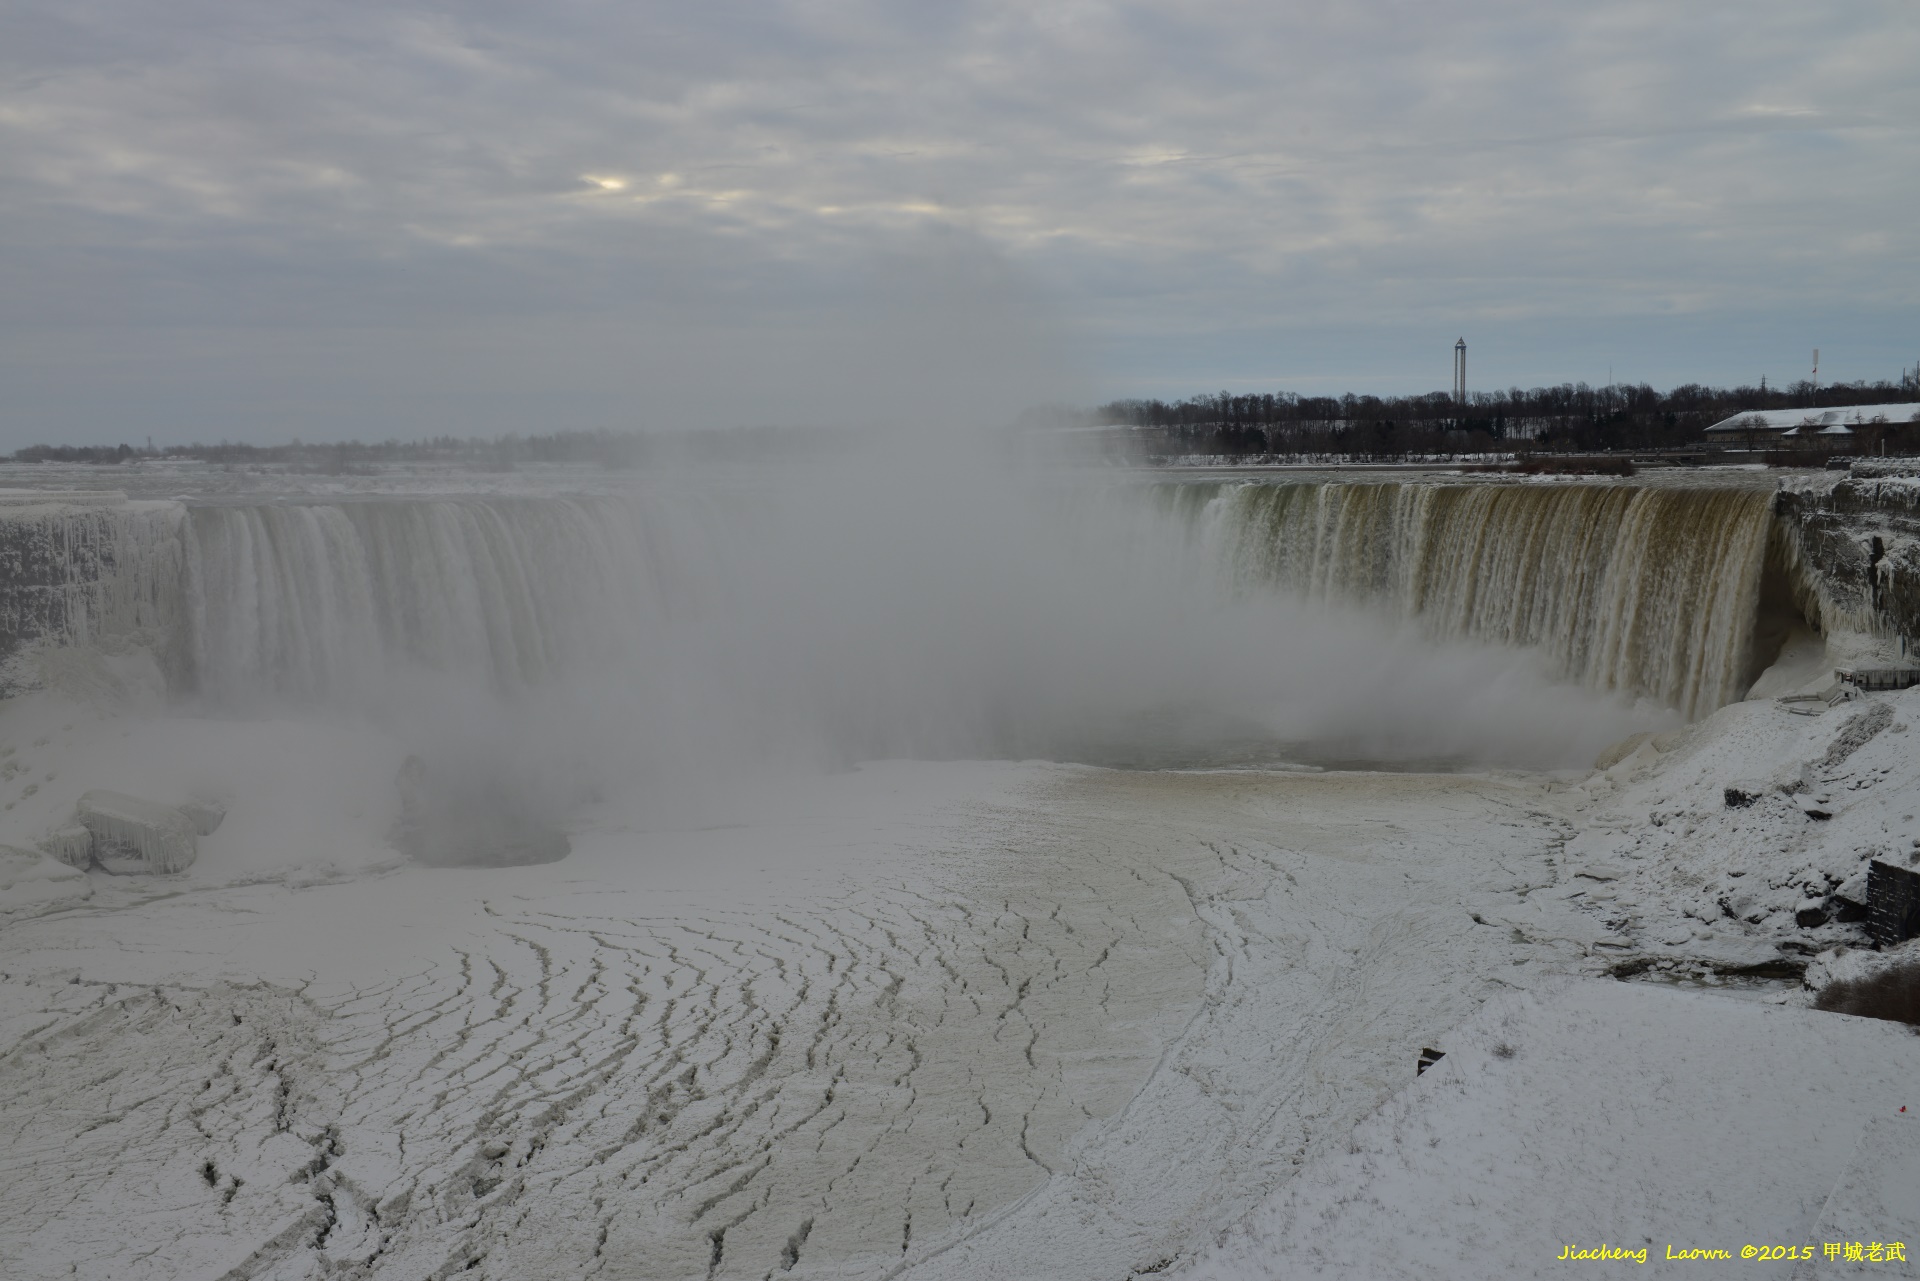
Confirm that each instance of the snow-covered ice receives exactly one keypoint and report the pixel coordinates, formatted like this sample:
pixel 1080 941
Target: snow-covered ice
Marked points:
pixel 948 1019
pixel 921 1014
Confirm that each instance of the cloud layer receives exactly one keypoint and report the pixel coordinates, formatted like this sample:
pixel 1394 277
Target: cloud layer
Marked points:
pixel 359 219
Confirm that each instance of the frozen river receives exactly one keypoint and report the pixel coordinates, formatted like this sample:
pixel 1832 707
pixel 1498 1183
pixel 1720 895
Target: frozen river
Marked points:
pixel 970 1020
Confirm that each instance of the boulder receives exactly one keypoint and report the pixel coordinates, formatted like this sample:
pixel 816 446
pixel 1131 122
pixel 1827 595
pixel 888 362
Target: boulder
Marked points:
pixel 134 835
pixel 206 816
pixel 72 845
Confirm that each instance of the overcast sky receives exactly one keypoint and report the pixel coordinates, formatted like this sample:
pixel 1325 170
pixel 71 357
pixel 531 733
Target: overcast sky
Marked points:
pixel 255 220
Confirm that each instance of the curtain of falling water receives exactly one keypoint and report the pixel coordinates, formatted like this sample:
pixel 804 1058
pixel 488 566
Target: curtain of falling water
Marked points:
pixel 1647 591
pixel 319 601
pixel 1642 590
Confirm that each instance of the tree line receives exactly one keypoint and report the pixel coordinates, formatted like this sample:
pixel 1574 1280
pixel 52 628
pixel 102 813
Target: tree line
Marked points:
pixel 1570 417
pixel 609 449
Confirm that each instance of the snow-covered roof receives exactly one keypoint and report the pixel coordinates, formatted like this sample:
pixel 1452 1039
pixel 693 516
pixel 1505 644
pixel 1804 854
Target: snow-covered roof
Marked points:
pixel 1835 422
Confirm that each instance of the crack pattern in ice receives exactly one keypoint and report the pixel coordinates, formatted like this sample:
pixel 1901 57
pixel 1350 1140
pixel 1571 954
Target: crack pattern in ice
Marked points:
pixel 725 1096
pixel 923 1076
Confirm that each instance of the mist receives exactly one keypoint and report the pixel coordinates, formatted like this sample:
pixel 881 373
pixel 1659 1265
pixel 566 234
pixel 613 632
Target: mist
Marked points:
pixel 928 592
pixel 754 623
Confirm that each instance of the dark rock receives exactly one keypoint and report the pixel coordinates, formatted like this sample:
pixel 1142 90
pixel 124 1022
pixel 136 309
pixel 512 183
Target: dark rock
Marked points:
pixel 1893 898
pixel 1782 967
pixel 1846 911
pixel 1810 918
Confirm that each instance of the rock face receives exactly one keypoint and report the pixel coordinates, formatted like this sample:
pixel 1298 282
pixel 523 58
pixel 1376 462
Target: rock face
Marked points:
pixel 76 568
pixel 132 835
pixel 1857 548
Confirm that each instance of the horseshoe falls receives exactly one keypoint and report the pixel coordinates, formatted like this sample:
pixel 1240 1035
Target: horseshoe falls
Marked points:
pixel 1631 589
pixel 830 874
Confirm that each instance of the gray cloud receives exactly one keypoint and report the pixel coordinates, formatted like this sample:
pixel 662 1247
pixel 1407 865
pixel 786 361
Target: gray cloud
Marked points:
pixel 360 219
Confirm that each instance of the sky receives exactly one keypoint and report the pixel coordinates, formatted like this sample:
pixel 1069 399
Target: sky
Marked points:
pixel 356 220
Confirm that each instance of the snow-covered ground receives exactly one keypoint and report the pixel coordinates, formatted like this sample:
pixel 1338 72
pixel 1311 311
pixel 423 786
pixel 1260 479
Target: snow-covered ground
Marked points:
pixel 1665 1113
pixel 1617 1117
pixel 1746 842
pixel 946 1019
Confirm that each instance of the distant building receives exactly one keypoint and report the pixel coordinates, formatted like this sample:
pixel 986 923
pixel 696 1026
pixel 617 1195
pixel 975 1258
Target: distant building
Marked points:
pixel 1809 426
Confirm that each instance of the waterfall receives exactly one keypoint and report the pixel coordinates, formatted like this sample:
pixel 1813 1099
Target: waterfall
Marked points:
pixel 324 600
pixel 1643 590
pixel 859 607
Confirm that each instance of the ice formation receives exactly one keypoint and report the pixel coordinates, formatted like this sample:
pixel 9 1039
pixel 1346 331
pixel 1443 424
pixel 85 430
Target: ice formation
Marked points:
pixel 131 834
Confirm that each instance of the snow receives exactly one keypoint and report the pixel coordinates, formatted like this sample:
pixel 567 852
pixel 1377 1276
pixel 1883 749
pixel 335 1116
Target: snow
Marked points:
pixel 1877 1200
pixel 1707 855
pixel 1607 1114
pixel 29 878
pixel 951 1019
pixel 930 1014
pixel 302 792
pixel 1831 420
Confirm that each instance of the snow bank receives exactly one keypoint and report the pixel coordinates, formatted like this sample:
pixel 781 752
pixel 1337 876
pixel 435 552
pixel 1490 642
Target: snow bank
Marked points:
pixel 1747 843
pixel 1624 1115
pixel 1877 1200
pixel 29 878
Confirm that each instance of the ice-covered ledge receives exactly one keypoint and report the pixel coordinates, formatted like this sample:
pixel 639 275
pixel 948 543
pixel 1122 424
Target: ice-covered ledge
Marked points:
pixel 1859 538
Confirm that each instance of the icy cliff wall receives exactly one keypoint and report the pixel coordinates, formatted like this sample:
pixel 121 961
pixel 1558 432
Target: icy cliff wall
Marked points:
pixel 1854 551
pixel 86 568
pixel 1642 590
